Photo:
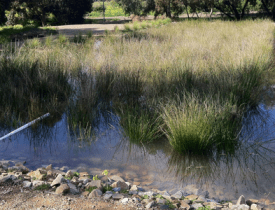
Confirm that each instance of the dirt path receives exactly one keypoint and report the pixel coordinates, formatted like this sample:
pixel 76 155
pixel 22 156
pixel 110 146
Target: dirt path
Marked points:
pixel 72 30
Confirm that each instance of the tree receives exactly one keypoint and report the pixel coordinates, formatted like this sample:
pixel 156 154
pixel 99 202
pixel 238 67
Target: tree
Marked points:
pixel 137 7
pixel 269 7
pixel 71 11
pixel 234 9
pixel 4 5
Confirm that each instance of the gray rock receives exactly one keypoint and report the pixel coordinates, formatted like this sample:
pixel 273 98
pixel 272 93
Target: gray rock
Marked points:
pixel 69 174
pixel 95 193
pixel 150 205
pixel 73 189
pixel 166 194
pixel 124 200
pixel 184 205
pixel 136 199
pixel 140 189
pixel 117 178
pixel 85 181
pixel 37 183
pixel 120 184
pixel 6 178
pixel 164 207
pixel 117 196
pixel 109 192
pixel 116 189
pixel 133 192
pixel 161 201
pixel 241 200
pixel 27 184
pixel 58 180
pixel 254 207
pixel 240 207
pixel 94 183
pixel 177 195
pixel 107 196
pixel 49 167
pixel 150 193
pixel 62 189
pixel 134 187
pixel 196 206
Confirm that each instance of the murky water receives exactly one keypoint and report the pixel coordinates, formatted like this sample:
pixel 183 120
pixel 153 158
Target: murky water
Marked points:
pixel 248 171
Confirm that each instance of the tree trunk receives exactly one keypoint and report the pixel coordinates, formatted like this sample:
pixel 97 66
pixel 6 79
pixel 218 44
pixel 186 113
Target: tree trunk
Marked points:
pixel 168 10
pixel 211 12
pixel 187 12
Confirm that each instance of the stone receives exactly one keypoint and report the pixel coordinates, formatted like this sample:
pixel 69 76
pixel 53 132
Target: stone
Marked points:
pixel 109 192
pixel 27 184
pixel 191 197
pixel 146 201
pixel 94 183
pixel 84 174
pixel 134 187
pixel 124 200
pixel 107 196
pixel 150 193
pixel 73 189
pixel 166 195
pixel 69 174
pixel 49 167
pixel 184 205
pixel 150 205
pixel 85 181
pixel 120 184
pixel 7 177
pixel 95 193
pixel 62 189
pixel 133 192
pixel 37 183
pixel 249 202
pixel 164 207
pixel 39 174
pixel 116 189
pixel 136 199
pixel 241 200
pixel 212 205
pixel 117 196
pixel 161 201
pixel 58 180
pixel 19 168
pixel 196 206
pixel 240 207
pixel 177 195
pixel 254 207
pixel 117 178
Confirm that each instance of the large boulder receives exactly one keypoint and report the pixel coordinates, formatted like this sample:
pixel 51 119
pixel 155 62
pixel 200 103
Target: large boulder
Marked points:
pixel 62 189
pixel 58 180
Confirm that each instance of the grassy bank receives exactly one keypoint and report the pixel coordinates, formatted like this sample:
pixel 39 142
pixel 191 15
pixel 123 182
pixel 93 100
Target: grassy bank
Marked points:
pixel 191 82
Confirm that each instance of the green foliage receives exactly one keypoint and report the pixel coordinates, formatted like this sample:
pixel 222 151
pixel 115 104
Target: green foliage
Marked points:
pixel 43 187
pixel 90 189
pixel 170 205
pixel 95 177
pixel 112 9
pixel 76 174
pixel 145 197
pixel 105 172
pixel 124 191
pixel 107 188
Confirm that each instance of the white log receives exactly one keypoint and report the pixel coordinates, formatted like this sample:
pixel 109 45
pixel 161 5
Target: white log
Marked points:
pixel 25 126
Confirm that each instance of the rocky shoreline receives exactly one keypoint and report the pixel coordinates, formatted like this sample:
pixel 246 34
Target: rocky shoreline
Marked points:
pixel 111 189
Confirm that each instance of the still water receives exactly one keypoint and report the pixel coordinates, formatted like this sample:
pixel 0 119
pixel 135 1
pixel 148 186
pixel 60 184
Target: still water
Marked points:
pixel 248 171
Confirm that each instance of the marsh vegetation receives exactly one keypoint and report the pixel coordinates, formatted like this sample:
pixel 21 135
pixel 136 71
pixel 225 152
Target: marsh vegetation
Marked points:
pixel 190 83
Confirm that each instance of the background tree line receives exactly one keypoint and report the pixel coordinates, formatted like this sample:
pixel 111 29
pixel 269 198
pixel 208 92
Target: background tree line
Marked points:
pixel 63 11
pixel 72 11
pixel 233 9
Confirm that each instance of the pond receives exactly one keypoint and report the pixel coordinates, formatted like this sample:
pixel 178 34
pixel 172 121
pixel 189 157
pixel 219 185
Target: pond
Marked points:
pixel 248 171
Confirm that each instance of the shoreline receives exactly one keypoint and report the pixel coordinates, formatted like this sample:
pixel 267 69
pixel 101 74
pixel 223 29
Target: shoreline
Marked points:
pixel 96 191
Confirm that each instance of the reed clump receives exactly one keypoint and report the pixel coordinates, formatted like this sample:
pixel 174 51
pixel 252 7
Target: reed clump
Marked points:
pixel 197 77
